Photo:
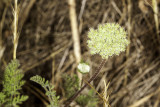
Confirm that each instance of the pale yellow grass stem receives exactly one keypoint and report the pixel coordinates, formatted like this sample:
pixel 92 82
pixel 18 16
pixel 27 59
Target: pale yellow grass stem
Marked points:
pixel 15 28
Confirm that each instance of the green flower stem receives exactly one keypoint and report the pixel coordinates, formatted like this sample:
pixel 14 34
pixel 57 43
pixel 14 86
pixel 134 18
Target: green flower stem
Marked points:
pixel 91 79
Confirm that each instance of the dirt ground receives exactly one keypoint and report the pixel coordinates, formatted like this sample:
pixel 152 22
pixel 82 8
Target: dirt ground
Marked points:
pixel 46 47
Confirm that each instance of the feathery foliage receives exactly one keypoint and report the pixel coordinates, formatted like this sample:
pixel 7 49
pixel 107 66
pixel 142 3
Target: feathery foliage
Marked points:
pixel 72 85
pixel 89 100
pixel 48 88
pixel 12 83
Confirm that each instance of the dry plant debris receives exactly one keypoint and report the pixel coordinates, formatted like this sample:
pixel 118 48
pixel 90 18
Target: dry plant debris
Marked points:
pixel 46 48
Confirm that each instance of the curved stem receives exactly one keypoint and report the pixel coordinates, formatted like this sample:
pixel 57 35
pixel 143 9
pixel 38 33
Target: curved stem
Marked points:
pixel 91 79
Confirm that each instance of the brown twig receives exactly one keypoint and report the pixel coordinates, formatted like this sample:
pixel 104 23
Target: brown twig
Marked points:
pixel 91 79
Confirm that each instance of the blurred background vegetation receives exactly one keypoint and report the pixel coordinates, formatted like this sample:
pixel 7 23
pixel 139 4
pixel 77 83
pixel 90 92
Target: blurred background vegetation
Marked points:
pixel 46 47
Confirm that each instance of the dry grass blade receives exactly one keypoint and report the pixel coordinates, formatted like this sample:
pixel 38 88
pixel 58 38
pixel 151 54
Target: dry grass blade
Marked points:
pixel 75 34
pixel 155 9
pixel 15 28
pixel 44 60
pixel 105 94
pixel 96 92
pixel 46 32
pixel 74 27
pixel 129 27
pixel 2 48
pixel 144 99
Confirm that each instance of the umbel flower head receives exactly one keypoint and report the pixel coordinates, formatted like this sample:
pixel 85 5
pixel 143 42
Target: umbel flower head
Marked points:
pixel 108 39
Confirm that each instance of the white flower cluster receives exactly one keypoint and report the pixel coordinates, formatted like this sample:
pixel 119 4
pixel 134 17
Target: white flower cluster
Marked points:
pixel 107 40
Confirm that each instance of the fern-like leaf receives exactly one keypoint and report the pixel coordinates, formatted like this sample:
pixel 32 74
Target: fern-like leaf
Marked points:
pixel 12 83
pixel 19 100
pixel 48 88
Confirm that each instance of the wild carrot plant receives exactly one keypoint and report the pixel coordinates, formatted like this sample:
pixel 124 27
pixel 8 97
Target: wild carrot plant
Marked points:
pixel 107 40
